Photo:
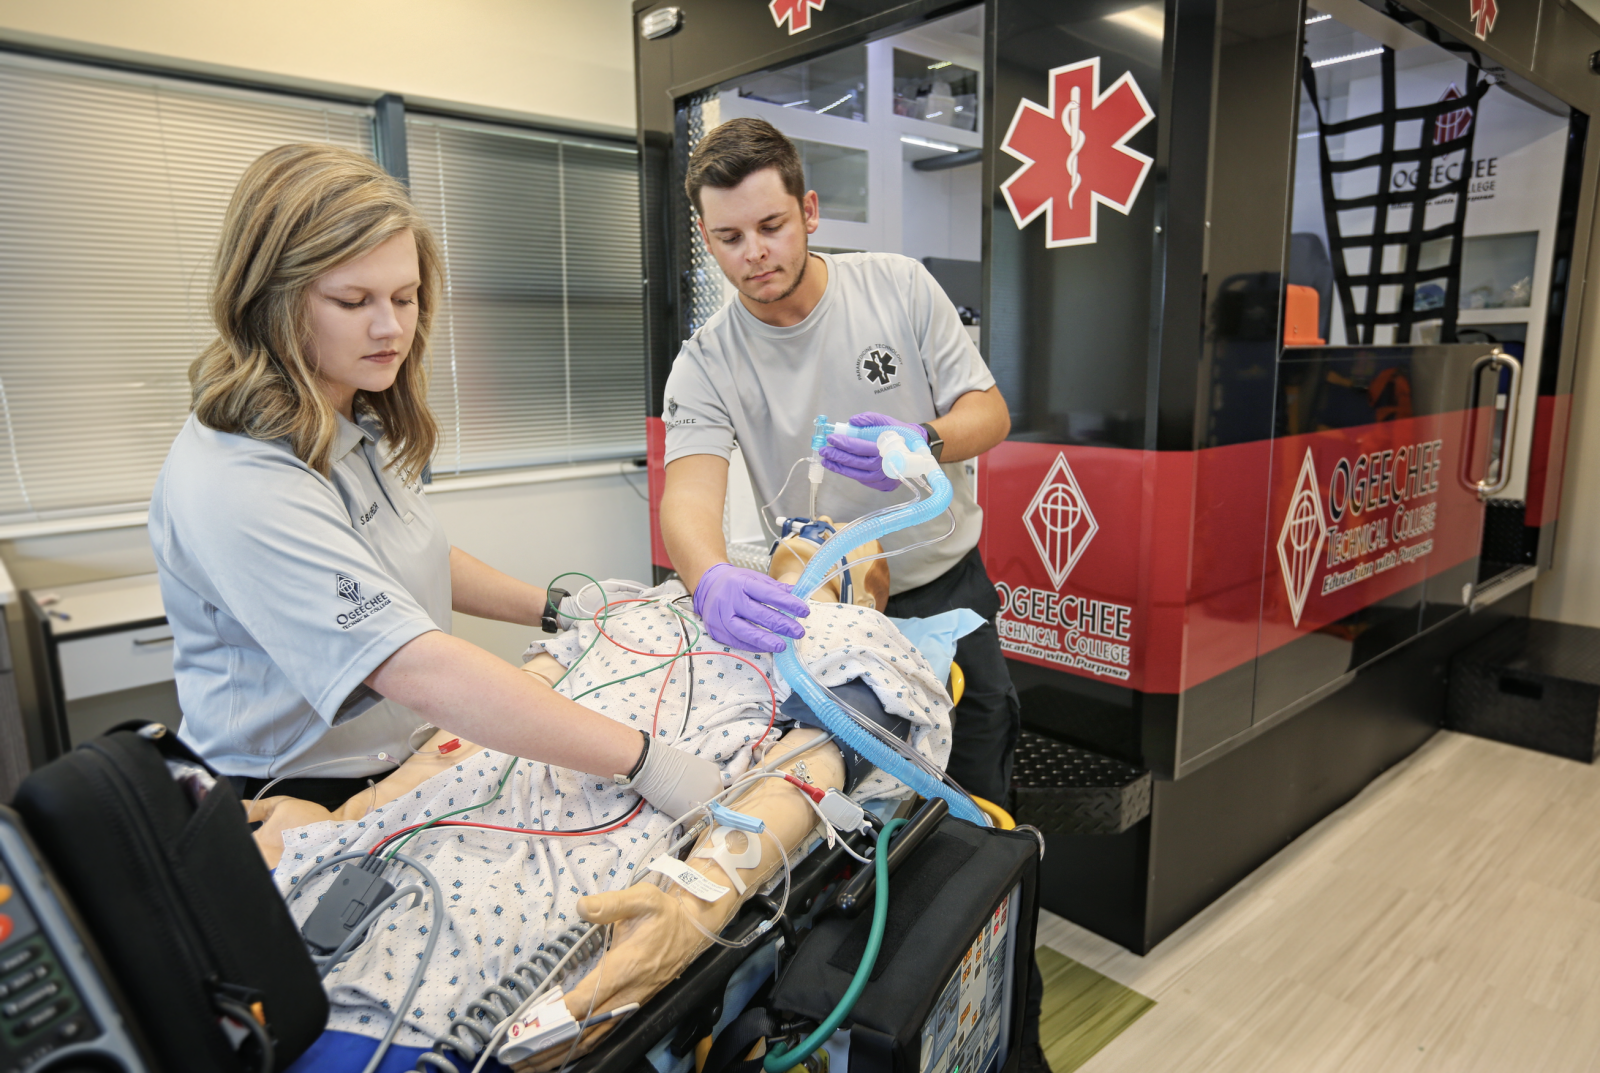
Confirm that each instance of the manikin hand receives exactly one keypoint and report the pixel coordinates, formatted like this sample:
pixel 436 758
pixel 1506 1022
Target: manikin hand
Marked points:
pixel 746 610
pixel 654 941
pixel 858 459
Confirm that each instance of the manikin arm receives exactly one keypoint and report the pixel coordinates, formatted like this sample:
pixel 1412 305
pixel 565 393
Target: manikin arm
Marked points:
pixel 280 814
pixel 654 942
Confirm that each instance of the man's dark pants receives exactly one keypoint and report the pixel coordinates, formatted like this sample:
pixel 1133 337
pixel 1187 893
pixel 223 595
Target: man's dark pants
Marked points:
pixel 989 716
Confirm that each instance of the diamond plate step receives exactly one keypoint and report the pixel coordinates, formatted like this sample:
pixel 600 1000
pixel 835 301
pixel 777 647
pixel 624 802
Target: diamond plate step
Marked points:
pixel 1062 789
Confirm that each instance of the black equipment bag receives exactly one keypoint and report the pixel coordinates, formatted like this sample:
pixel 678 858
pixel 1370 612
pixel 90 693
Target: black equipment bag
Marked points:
pixel 939 900
pixel 177 897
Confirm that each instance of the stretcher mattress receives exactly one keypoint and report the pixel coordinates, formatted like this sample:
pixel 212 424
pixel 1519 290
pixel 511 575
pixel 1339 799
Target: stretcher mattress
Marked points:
pixel 506 892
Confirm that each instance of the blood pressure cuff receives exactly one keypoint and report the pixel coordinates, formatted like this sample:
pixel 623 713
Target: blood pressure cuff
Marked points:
pixel 945 895
pixel 859 696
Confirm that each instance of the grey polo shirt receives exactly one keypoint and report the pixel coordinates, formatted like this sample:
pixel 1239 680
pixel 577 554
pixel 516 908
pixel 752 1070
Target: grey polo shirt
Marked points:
pixel 284 590
pixel 884 338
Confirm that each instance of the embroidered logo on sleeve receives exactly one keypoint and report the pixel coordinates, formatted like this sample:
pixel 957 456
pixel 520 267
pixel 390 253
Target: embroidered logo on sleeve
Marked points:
pixel 349 589
pixel 672 419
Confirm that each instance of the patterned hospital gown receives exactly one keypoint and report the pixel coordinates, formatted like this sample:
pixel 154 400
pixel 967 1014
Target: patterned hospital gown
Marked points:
pixel 506 894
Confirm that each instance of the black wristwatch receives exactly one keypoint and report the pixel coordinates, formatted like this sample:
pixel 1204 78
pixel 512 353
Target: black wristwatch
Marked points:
pixel 935 441
pixel 638 765
pixel 550 621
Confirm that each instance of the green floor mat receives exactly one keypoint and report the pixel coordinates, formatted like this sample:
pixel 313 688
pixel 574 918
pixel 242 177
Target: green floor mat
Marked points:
pixel 1083 1010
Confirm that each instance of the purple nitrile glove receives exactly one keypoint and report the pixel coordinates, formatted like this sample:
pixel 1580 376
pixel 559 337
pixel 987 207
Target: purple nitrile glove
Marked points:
pixel 858 459
pixel 747 610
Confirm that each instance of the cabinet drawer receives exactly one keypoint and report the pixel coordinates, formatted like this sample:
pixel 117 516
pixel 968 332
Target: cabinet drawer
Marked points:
pixel 112 661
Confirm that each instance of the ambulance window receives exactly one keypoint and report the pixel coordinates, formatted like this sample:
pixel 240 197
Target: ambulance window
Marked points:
pixel 832 85
pixel 839 176
pixel 937 90
pixel 1388 124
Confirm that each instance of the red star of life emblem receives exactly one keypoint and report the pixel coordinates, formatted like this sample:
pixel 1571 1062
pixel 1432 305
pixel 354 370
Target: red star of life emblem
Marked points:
pixel 1484 12
pixel 1074 153
pixel 797 12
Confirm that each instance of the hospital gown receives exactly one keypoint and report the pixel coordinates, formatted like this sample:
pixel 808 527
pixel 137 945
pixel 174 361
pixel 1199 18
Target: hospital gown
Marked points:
pixel 506 894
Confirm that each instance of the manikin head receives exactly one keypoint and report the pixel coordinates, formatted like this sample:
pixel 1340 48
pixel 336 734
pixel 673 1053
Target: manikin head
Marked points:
pixel 746 181
pixel 323 294
pixel 870 580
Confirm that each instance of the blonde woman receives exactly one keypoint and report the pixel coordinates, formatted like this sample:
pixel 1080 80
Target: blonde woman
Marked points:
pixel 308 584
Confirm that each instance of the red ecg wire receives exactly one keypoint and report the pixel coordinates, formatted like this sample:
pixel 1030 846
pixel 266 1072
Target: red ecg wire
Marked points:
pixel 773 693
pixel 680 654
pixel 814 792
pixel 660 696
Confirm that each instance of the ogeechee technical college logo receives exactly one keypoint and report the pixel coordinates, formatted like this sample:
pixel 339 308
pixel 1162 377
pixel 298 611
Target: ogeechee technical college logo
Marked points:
pixel 1073 153
pixel 878 366
pixel 1059 521
pixel 1305 530
pixel 347 587
pixel 796 12
pixel 1451 125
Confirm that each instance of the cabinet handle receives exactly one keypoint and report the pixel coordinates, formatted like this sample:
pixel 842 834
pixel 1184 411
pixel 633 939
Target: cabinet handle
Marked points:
pixel 153 640
pixel 1497 478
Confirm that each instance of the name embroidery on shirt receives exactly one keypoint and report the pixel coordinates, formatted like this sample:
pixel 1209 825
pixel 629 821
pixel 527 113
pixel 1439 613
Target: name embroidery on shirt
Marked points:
pixel 349 589
pixel 878 366
pixel 371 511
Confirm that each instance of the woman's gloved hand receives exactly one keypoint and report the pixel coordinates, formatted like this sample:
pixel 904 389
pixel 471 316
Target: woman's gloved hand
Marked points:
pixel 858 459
pixel 675 781
pixel 747 610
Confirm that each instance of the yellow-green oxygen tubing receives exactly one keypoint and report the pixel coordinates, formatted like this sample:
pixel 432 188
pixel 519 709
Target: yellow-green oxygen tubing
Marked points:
pixel 778 1061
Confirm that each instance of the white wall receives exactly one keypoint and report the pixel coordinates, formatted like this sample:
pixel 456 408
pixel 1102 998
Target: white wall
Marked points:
pixel 599 525
pixel 1571 591
pixel 562 60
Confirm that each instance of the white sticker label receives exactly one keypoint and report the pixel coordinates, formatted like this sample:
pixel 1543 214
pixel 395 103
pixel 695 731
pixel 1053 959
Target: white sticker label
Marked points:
pixel 687 878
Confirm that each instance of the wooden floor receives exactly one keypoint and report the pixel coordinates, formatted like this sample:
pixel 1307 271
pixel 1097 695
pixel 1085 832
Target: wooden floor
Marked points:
pixel 1448 919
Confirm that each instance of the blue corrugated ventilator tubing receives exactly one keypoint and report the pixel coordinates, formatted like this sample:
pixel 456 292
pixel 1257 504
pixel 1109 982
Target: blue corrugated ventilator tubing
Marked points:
pixel 893 757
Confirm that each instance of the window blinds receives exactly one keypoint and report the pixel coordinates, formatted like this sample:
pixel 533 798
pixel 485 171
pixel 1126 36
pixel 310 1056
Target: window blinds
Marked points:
pixel 112 191
pixel 538 354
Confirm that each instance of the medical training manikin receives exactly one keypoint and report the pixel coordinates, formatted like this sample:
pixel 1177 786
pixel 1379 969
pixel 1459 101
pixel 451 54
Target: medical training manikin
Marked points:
pixel 506 894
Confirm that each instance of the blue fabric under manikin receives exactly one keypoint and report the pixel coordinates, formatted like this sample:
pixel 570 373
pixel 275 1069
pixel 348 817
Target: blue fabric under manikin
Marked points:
pixel 859 696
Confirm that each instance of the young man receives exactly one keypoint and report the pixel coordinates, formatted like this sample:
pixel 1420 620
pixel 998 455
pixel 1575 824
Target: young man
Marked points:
pixel 865 334
pixel 868 336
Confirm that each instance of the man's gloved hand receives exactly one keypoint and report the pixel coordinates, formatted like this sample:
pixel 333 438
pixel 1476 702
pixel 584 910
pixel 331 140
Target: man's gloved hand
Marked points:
pixel 747 610
pixel 858 459
pixel 674 780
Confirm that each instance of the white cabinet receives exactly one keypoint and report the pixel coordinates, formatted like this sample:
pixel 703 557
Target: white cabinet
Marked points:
pixel 104 651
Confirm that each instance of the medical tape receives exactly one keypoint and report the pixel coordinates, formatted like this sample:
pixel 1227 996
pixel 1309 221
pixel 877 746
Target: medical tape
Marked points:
pixel 694 882
pixel 716 848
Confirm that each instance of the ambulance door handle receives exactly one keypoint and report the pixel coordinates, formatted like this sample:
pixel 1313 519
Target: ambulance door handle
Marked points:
pixel 1498 476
